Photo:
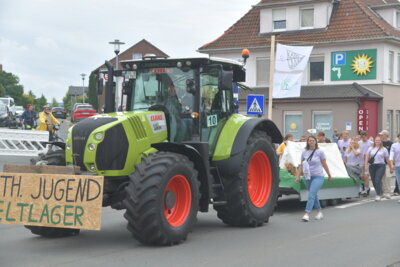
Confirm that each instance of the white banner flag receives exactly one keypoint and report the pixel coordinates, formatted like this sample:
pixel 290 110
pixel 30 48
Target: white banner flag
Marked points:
pixel 287 84
pixel 292 58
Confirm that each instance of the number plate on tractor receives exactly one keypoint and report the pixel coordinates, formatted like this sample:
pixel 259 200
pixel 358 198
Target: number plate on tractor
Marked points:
pixel 212 120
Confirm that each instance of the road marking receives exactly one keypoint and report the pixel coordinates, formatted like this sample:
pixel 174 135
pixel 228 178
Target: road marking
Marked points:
pixel 365 201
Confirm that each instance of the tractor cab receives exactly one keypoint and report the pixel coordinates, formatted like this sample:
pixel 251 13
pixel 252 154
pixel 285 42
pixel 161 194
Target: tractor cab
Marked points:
pixel 196 94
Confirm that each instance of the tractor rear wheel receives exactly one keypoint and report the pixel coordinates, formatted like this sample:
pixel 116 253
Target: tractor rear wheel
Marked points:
pixel 53 158
pixel 252 193
pixel 162 199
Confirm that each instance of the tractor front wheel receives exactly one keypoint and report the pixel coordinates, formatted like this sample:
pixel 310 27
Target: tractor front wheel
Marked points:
pixel 252 193
pixel 162 199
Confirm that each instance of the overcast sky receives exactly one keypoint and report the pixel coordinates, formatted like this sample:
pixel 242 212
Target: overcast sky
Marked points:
pixel 49 43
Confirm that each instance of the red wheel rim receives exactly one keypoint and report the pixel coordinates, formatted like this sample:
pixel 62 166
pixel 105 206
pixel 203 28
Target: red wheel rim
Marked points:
pixel 259 181
pixel 177 200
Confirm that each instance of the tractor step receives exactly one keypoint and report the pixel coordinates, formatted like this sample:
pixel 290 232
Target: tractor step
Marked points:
pixel 218 203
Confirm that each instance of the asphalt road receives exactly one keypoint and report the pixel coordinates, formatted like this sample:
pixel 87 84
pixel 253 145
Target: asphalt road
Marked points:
pixel 358 232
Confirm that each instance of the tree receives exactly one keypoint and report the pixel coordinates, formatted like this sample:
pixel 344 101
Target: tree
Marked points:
pixel 27 99
pixel 54 102
pixel 40 102
pixel 2 90
pixel 67 101
pixel 92 94
pixel 10 83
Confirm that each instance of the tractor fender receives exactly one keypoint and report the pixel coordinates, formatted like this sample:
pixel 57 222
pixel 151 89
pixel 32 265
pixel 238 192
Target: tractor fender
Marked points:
pixel 231 165
pixel 197 152
pixel 248 127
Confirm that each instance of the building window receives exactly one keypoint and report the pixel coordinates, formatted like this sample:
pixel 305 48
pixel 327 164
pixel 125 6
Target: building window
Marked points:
pixel 317 69
pixel 398 19
pixel 293 121
pixel 397 122
pixel 389 122
pixel 322 121
pixel 262 73
pixel 137 56
pixel 307 17
pixel 398 67
pixel 391 67
pixel 279 19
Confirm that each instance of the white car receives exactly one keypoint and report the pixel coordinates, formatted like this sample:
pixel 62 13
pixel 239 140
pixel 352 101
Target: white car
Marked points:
pixel 9 102
pixel 19 110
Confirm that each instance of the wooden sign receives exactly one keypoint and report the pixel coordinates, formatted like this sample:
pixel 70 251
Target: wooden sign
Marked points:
pixel 54 200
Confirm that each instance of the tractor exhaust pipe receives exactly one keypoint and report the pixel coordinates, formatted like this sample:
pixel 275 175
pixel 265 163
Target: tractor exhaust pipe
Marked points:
pixel 110 89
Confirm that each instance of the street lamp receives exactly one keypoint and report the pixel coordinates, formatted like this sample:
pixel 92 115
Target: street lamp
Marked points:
pixel 117 43
pixel 83 86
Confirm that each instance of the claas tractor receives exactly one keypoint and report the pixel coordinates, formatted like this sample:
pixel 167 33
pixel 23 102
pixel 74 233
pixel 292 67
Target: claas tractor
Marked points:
pixel 176 149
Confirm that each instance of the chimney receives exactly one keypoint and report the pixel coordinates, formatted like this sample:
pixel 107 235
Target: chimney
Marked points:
pixel 1 67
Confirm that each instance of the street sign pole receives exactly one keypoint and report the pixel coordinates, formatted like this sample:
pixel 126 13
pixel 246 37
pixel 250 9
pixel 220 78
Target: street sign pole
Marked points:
pixel 271 76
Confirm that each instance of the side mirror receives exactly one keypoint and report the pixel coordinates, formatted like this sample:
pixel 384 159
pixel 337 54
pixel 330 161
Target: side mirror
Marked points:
pixel 225 80
pixel 100 86
pixel 190 86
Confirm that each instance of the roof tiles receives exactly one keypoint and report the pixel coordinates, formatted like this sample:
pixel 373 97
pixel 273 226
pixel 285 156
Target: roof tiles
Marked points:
pixel 351 20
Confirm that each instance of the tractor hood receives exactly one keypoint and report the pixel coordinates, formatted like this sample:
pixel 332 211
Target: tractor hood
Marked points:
pixel 104 142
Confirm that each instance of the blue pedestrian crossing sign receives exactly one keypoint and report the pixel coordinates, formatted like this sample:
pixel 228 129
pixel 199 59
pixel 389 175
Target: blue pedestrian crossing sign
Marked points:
pixel 255 104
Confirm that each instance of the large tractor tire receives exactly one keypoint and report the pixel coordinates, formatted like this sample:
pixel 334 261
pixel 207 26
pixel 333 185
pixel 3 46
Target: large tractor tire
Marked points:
pixel 53 158
pixel 162 199
pixel 252 193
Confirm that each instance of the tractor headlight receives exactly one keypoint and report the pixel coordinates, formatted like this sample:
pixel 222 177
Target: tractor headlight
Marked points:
pixel 68 146
pixel 91 147
pixel 98 136
pixel 92 167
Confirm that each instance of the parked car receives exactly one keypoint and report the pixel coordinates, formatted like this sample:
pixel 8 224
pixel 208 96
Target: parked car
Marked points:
pixel 59 112
pixel 75 107
pixel 83 112
pixel 19 110
pixel 5 116
pixel 9 102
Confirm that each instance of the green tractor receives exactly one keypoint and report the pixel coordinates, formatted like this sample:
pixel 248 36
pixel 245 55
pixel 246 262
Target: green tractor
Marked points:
pixel 176 149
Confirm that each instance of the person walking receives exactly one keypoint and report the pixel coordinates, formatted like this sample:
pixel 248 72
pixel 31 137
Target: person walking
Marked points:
pixel 386 176
pixel 28 118
pixel 353 160
pixel 313 162
pixel 364 143
pixel 394 159
pixel 375 163
pixel 344 143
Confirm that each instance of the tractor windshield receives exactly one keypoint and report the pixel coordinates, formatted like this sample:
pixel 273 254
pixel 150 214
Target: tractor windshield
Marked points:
pixel 162 86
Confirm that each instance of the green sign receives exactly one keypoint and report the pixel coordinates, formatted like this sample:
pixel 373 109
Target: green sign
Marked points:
pixel 353 65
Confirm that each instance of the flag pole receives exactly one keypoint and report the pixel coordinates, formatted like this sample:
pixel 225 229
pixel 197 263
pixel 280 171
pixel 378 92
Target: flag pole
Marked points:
pixel 271 76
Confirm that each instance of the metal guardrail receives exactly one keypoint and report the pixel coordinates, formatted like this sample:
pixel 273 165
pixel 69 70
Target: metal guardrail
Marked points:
pixel 22 142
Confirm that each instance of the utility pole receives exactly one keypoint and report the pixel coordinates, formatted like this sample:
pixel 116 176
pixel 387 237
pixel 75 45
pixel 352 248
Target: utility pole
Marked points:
pixel 83 86
pixel 271 76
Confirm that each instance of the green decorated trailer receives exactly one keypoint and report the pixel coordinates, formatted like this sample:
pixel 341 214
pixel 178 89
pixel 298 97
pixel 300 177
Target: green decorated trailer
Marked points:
pixel 341 187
